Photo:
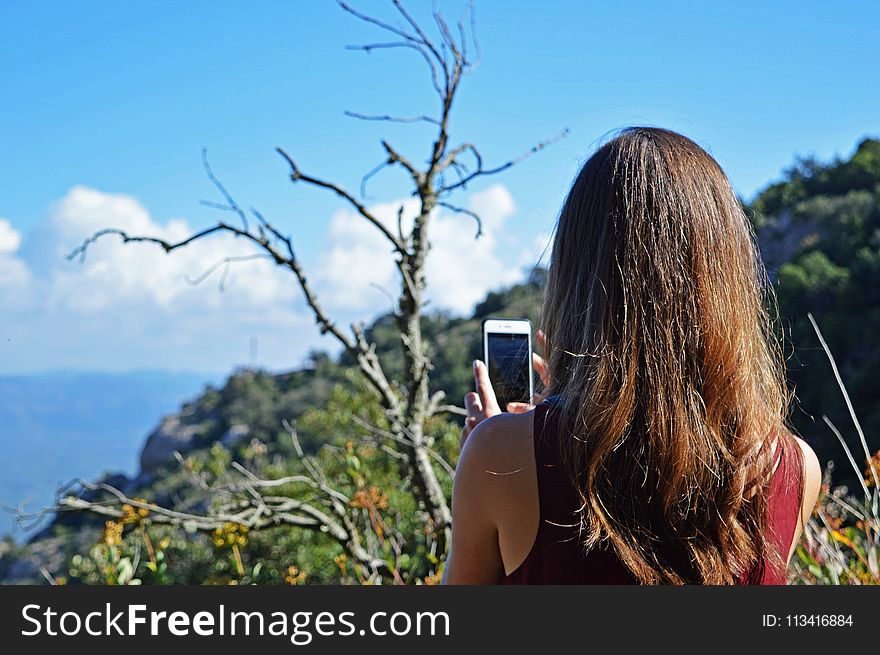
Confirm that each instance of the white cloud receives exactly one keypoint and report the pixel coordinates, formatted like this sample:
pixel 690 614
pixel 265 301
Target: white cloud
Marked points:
pixel 131 306
pixel 460 269
pixel 14 275
pixel 356 256
pixel 144 273
pixel 10 240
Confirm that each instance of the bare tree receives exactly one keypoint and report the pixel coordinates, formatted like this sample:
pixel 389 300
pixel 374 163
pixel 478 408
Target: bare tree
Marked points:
pixel 409 402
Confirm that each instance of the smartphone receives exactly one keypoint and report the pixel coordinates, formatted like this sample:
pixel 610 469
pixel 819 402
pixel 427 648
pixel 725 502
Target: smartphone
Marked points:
pixel 507 352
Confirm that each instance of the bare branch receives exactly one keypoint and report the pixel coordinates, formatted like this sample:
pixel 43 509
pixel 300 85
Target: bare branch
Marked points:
pixel 278 257
pixel 80 252
pixel 339 501
pixel 480 171
pixel 418 41
pixel 468 13
pixel 435 80
pixel 377 431
pixel 369 175
pixel 452 158
pixel 446 35
pixel 393 119
pixel 257 512
pixel 225 262
pixel 231 205
pixel 297 175
pixel 385 292
pixel 466 212
pixel 395 157
pixel 400 224
pixel 425 41
pixel 474 63
pixel 451 409
pixel 358 348
pixel 368 361
pixel 375 21
pixel 277 482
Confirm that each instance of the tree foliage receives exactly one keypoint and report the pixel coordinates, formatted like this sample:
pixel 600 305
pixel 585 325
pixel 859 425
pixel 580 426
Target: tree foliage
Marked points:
pixel 819 231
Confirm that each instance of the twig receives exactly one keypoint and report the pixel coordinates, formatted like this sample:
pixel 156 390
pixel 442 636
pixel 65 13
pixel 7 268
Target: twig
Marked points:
pixel 451 409
pixel 466 212
pixel 392 119
pixel 296 175
pixel 231 205
pixel 480 171
pixel 225 262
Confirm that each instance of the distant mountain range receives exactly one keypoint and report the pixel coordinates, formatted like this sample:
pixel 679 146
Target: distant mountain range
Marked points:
pixel 61 425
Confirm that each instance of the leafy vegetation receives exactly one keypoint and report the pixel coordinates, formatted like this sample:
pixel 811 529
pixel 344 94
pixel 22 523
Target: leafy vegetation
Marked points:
pixel 819 231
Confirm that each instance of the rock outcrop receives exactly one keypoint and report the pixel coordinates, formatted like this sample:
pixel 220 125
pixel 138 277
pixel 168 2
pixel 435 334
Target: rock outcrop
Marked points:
pixel 173 434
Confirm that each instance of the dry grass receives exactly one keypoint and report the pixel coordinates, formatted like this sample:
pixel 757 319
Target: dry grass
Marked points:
pixel 841 542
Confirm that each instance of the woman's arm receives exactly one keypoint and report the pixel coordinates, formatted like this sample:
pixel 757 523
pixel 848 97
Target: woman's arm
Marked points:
pixel 478 497
pixel 474 556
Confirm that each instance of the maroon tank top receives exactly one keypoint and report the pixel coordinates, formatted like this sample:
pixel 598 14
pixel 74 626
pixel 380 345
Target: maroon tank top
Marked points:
pixel 556 556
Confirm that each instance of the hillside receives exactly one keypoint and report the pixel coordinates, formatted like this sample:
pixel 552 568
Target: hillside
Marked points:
pixel 247 411
pixel 819 231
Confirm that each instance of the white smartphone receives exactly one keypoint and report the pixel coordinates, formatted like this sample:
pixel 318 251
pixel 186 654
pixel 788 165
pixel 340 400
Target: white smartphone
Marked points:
pixel 507 352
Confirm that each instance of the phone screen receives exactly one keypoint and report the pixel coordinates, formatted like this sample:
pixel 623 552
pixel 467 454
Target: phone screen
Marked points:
pixel 509 370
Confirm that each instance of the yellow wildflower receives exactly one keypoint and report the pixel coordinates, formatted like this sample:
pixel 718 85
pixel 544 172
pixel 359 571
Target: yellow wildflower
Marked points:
pixel 295 576
pixel 873 463
pixel 370 499
pixel 132 514
pixel 341 561
pixel 112 533
pixel 433 579
pixel 230 534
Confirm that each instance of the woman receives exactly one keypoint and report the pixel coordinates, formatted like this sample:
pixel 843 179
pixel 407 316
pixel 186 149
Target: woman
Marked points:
pixel 660 455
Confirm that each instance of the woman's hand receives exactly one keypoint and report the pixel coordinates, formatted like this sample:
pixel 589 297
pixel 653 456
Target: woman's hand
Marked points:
pixel 482 403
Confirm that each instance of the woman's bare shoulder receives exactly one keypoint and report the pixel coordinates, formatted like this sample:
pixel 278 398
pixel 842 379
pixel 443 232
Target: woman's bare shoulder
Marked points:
pixel 498 457
pixel 501 440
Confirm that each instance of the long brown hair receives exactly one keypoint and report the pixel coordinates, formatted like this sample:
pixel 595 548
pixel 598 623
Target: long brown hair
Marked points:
pixel 662 354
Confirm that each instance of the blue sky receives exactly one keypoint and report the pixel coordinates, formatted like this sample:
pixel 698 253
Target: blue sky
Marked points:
pixel 107 106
